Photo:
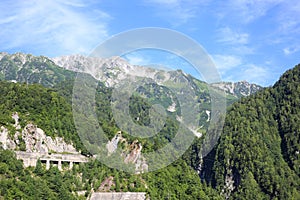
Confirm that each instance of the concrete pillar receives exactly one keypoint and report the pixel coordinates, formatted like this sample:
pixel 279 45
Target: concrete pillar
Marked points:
pixel 71 165
pixel 33 162
pixel 59 165
pixel 47 164
pixel 26 162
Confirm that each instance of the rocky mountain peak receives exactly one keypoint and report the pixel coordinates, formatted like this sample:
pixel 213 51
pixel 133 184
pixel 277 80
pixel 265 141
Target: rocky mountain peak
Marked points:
pixel 109 70
pixel 238 89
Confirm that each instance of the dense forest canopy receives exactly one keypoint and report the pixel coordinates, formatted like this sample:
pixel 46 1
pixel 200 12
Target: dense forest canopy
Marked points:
pixel 259 147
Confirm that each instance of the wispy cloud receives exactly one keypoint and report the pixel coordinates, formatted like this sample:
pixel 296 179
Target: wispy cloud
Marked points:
pixel 57 27
pixel 234 68
pixel 235 42
pixel 226 62
pixel 255 74
pixel 177 12
pixel 244 11
pixel 250 72
pixel 291 50
pixel 228 36
pixel 285 34
pixel 137 59
pixel 289 20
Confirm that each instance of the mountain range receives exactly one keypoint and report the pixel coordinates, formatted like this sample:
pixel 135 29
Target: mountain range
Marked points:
pixel 256 157
pixel 27 68
pixel 48 72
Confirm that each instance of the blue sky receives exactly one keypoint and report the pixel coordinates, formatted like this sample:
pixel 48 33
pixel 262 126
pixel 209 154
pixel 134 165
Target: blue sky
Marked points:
pixel 254 40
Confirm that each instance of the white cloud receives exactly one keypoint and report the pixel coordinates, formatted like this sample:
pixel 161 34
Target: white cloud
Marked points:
pixel 177 12
pixel 250 72
pixel 289 20
pixel 226 62
pixel 255 74
pixel 57 27
pixel 167 2
pixel 245 11
pixel 234 41
pixel 228 36
pixel 243 50
pixel 234 68
pixel 286 51
pixel 287 27
pixel 290 50
pixel 136 59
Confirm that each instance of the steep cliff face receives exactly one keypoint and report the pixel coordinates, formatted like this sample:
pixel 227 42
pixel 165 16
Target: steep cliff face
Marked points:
pixel 134 155
pixel 32 139
pixel 36 141
pixel 5 141
pixel 130 153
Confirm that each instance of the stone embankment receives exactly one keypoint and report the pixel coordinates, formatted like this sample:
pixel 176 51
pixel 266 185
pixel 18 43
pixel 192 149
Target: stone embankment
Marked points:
pixel 31 158
pixel 118 195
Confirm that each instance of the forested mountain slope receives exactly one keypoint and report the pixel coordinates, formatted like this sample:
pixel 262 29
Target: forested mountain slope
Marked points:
pixel 43 106
pixel 48 105
pixel 50 109
pixel 26 68
pixel 258 153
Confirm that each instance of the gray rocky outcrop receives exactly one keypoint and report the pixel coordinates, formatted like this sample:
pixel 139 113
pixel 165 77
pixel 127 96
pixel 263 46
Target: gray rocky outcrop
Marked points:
pixel 36 141
pixel 5 141
pixel 131 153
pixel 34 138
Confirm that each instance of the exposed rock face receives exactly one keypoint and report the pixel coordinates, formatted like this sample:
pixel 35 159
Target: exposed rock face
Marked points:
pixel 3 136
pixel 107 184
pixel 135 156
pixel 118 195
pixel 34 138
pixel 232 181
pixel 113 144
pixel 141 165
pixel 15 116
pixel 172 108
pixel 132 153
pixel 112 70
pixel 36 141
pixel 135 152
pixel 229 185
pixel 238 89
pixel 7 143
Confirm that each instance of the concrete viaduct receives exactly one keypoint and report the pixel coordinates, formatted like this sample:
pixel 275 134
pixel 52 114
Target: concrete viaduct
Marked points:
pixel 31 158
